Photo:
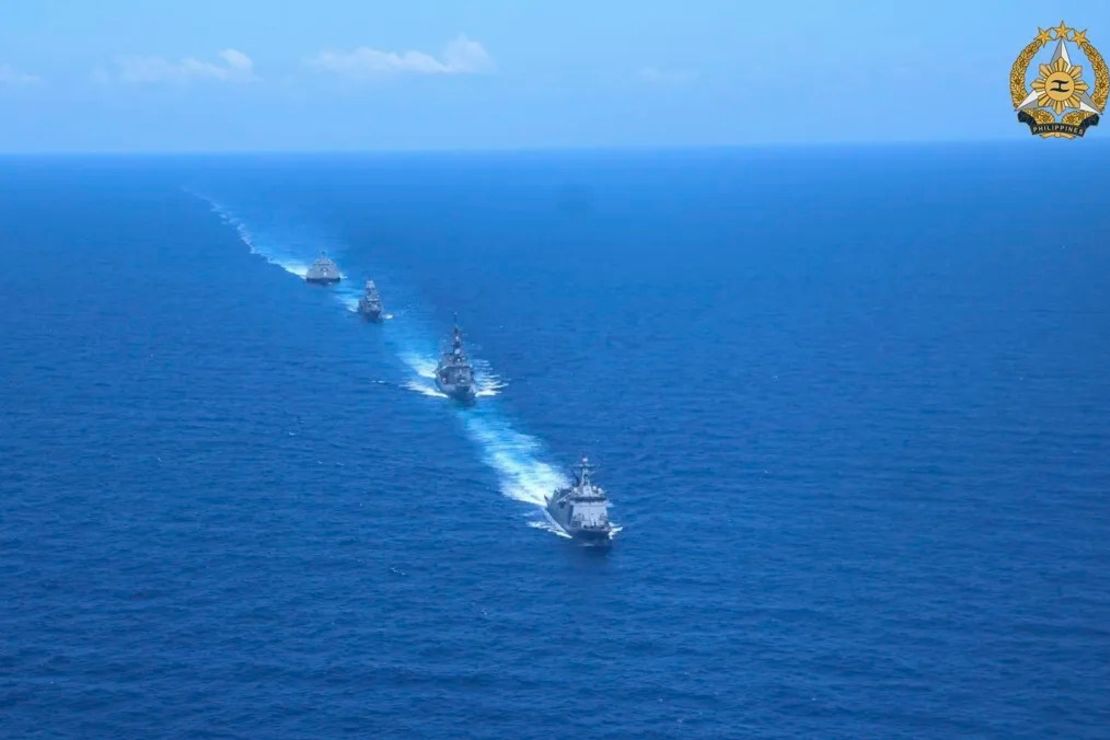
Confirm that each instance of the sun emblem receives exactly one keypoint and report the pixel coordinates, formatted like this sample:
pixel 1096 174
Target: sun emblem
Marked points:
pixel 1060 85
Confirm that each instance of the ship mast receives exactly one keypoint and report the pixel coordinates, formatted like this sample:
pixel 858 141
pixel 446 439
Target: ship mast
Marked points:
pixel 456 341
pixel 584 469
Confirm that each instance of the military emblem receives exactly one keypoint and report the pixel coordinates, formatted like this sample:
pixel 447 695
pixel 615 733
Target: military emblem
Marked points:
pixel 1062 95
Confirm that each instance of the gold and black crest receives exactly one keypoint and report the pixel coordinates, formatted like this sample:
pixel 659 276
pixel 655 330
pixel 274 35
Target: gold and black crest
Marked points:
pixel 1060 99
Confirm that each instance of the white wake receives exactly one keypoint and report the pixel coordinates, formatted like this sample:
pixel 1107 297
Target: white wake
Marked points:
pixel 488 383
pixel 549 526
pixel 514 456
pixel 292 264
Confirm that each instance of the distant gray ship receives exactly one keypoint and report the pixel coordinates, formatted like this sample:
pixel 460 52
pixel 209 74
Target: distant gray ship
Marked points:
pixel 323 271
pixel 582 509
pixel 370 304
pixel 454 375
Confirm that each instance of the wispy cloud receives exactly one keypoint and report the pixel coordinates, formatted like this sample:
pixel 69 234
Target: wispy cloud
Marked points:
pixel 231 65
pixel 11 76
pixel 660 76
pixel 461 56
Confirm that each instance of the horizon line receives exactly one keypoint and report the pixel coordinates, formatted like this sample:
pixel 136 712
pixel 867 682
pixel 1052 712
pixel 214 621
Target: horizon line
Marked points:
pixel 541 149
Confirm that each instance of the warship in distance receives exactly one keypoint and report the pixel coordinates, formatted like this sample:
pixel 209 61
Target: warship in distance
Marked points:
pixel 582 509
pixel 454 375
pixel 323 271
pixel 370 304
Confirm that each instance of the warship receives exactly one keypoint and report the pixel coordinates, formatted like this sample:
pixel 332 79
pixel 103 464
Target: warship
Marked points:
pixel 582 509
pixel 370 304
pixel 323 271
pixel 454 376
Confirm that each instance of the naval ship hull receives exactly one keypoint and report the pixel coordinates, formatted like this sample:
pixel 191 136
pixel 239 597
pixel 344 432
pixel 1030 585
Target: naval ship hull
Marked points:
pixel 370 314
pixel 322 280
pixel 593 537
pixel 461 393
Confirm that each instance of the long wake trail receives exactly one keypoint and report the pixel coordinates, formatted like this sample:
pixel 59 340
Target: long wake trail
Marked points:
pixel 518 459
pixel 292 264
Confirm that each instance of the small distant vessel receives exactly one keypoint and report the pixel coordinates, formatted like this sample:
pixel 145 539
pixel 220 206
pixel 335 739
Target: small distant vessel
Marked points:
pixel 370 304
pixel 323 271
pixel 454 375
pixel 582 509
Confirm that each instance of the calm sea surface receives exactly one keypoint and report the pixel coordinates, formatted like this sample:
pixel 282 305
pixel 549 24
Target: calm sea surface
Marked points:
pixel 852 407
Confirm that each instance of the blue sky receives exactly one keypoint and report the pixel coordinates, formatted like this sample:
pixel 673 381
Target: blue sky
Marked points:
pixel 116 75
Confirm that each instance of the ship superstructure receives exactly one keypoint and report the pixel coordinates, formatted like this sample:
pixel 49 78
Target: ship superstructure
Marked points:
pixel 323 271
pixel 454 374
pixel 582 509
pixel 370 304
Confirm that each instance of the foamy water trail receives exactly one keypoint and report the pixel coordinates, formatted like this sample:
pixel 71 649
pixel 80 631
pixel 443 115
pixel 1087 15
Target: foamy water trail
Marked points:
pixel 292 264
pixel 547 525
pixel 425 387
pixel 422 365
pixel 488 383
pixel 515 457
pixel 345 293
pixel 347 296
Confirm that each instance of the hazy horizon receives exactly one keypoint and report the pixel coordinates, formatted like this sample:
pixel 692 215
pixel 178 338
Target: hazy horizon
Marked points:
pixel 538 149
pixel 342 76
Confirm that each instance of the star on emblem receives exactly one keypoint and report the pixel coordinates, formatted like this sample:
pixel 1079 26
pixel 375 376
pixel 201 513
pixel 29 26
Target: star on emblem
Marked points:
pixel 1062 31
pixel 1061 63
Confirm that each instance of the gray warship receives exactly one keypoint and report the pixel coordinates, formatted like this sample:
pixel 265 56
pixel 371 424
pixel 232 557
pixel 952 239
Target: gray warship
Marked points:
pixel 370 304
pixel 582 509
pixel 454 375
pixel 323 271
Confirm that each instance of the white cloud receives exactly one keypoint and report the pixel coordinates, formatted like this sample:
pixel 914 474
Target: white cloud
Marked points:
pixel 11 76
pixel 658 76
pixel 233 66
pixel 461 56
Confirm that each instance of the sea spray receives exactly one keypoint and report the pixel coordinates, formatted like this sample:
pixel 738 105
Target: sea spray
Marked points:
pixel 547 525
pixel 488 383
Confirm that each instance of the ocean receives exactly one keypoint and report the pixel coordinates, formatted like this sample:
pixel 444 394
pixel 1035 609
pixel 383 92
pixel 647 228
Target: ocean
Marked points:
pixel 851 405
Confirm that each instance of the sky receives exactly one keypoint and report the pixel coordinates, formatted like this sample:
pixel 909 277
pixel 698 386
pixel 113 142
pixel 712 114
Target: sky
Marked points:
pixel 363 75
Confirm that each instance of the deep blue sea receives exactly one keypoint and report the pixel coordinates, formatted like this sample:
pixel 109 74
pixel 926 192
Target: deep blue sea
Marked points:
pixel 852 406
